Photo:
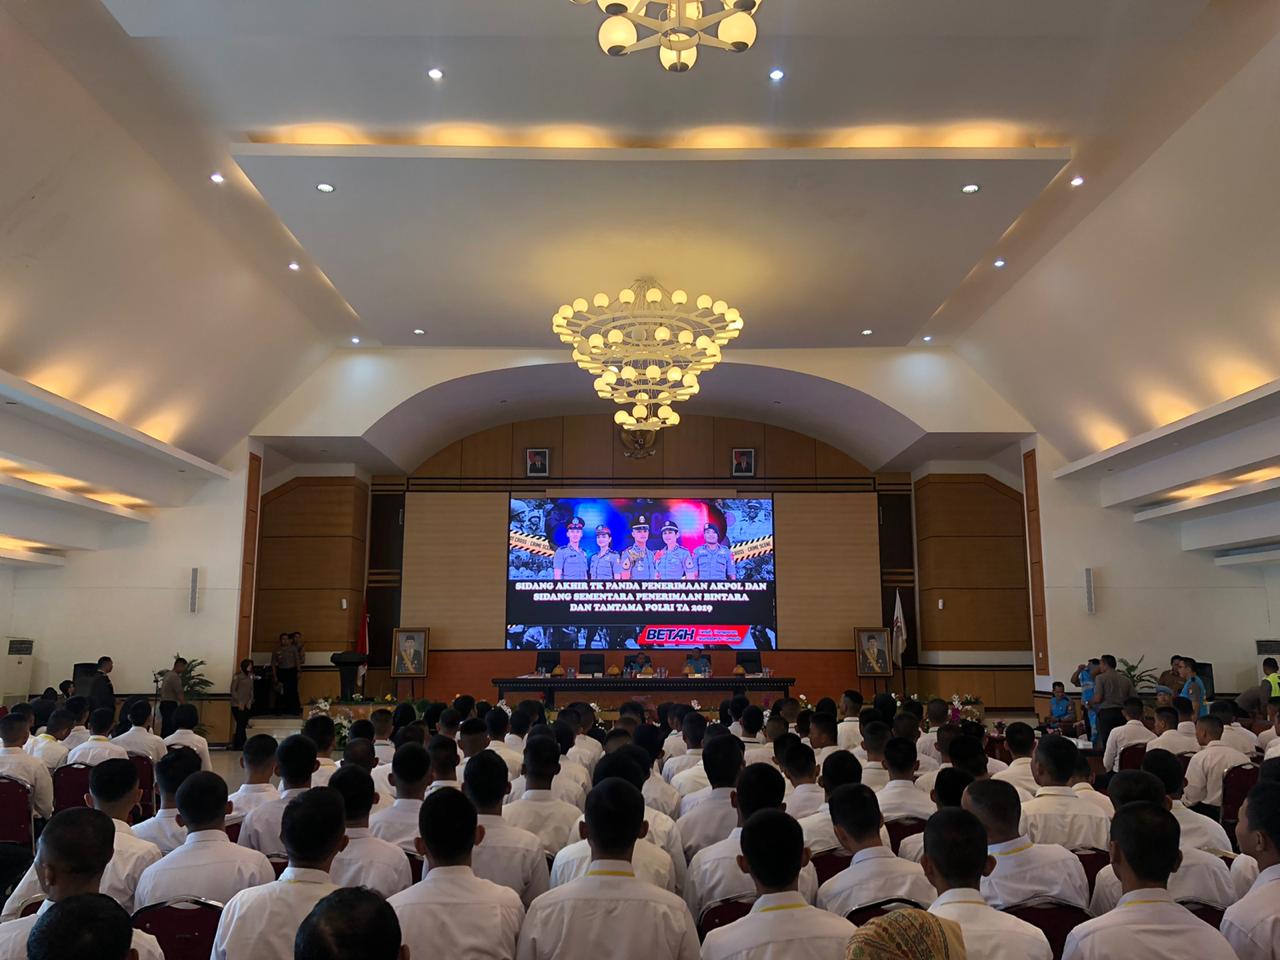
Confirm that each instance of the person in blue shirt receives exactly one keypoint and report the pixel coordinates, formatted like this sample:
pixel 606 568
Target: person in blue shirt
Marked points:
pixel 1062 712
pixel 570 563
pixel 638 561
pixel 674 561
pixel 713 560
pixel 1193 687
pixel 1083 678
pixel 698 662
pixel 606 564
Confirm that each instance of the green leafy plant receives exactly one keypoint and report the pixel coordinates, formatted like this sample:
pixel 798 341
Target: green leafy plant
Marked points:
pixel 195 685
pixel 1143 680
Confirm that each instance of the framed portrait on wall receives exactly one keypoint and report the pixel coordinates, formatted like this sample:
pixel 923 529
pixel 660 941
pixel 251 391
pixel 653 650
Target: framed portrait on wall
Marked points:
pixel 537 462
pixel 874 658
pixel 409 653
pixel 744 462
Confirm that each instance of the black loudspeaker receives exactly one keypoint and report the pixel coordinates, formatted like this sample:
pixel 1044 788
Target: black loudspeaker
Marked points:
pixel 1205 672
pixel 548 660
pixel 591 663
pixel 82 675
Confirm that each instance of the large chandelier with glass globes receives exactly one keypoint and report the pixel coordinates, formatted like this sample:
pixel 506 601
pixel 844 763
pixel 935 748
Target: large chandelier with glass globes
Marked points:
pixel 676 28
pixel 646 347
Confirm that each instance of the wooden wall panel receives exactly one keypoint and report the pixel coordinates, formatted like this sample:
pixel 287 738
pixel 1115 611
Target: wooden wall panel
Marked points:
pixel 311 563
pixel 316 507
pixel 317 613
pixel 249 557
pixel 646 468
pixel 445 464
pixel 729 434
pixel 1001 688
pixel 789 454
pixel 689 449
pixel 967 505
pixel 1035 563
pixel 974 620
pixel 974 562
pixel 588 446
pixel 488 453
pixel 830 462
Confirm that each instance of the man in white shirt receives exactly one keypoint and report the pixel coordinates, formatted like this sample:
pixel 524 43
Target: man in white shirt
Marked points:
pixel 955 859
pixel 1233 735
pixel 715 817
pixel 295 762
pixel 1252 926
pixel 188 718
pixel 900 798
pixel 1133 732
pixel 1169 737
pixel 258 761
pixel 591 916
pixel 944 736
pixel 48 747
pixel 383 723
pixel 139 738
pixel 874 874
pixel 1198 831
pixel 366 861
pixel 585 750
pixel 506 854
pixel 537 809
pixel 840 768
pixel 907 726
pixel 937 712
pixel 781 924
pixel 17 763
pixel 410 775
pixel 262 922
pixel 801 771
pixel 658 794
pixel 1023 870
pixel 443 753
pixel 79 708
pixel 497 723
pixel 351 922
pixel 824 735
pixel 99 746
pixel 1208 767
pixel 674 745
pixel 1020 738
pixel 948 792
pixel 72 854
pixel 875 736
pixel 171 773
pixel 693 729
pixel 1268 736
pixel 1058 814
pixel 321 731
pixel 207 864
pixel 1082 783
pixel 1147 922
pixel 848 735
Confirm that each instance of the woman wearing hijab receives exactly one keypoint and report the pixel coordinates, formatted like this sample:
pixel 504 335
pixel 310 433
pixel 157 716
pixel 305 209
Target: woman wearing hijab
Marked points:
pixel 907 934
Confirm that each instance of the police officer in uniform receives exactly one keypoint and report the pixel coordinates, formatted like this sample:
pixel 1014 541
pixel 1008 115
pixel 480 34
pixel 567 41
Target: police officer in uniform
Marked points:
pixel 570 563
pixel 674 561
pixel 638 561
pixel 713 560
pixel 606 564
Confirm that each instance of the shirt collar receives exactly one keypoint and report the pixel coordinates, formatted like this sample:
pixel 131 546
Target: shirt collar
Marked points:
pixel 1130 723
pixel 787 900
pixel 403 802
pixel 611 868
pixel 293 874
pixel 537 795
pixel 720 793
pixel 122 827
pixel 1083 787
pixel 1020 762
pixel 98 738
pixel 327 762
pixel 167 813
pixel 965 895
pixel 207 836
pixel 451 874
pixel 735 834
pixel 808 788
pixel 1269 875
pixel 358 833
pixel 1214 743
pixel 1016 845
pixel 1148 895
pixel 293 792
pixel 1055 792
pixel 255 788
pixel 11 750
pixel 872 853
pixel 490 820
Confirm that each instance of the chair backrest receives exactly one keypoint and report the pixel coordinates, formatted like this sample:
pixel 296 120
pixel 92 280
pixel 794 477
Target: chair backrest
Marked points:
pixel 1185 760
pixel 902 828
pixel 1236 785
pixel 146 783
pixel 828 864
pixel 722 914
pixel 415 865
pixel 872 910
pixel 233 830
pixel 279 867
pixel 16 825
pixel 29 906
pixel 1054 918
pixel 70 784
pixel 185 926
pixel 1205 911
pixel 1093 861
pixel 1131 756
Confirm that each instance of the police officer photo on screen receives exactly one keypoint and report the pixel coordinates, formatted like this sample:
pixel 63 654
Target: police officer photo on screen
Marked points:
pixel 638 561
pixel 713 560
pixel 674 561
pixel 606 563
pixel 570 563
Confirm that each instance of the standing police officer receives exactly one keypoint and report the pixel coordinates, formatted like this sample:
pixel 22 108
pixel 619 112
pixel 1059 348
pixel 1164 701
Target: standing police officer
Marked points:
pixel 714 561
pixel 570 563
pixel 638 561
pixel 606 564
pixel 674 561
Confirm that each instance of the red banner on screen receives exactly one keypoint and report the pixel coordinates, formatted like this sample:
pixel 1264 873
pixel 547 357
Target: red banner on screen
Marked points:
pixel 692 635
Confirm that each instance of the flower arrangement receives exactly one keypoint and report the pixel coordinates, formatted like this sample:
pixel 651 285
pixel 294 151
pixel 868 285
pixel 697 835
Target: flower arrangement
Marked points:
pixel 341 716
pixel 965 706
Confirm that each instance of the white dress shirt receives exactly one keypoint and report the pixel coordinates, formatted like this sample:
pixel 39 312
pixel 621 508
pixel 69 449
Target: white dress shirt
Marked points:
pixel 1026 870
pixel 663 832
pixel 649 863
pixel 874 775
pixel 609 906
pixel 1272 751
pixel 586 751
pixel 693 799
pixel 1147 923
pixel 988 933
pixel 513 759
pixel 451 912
pixel 1130 733
pixel 714 875
pixel 324 772
pixel 1019 774
pixel 1202 876
pixel 661 795
pixel 369 861
pixel 250 796
pixel 925 781
pixel 780 926
pixel 1200 831
pixel 546 817
pixel 96 749
pixel 678 764
pixel 564 788
pixel 515 743
pixel 1175 741
pixel 397 824
pixel 1246 741
pixel 48 749
pixel 17 763
pixel 1252 926
pixel 261 827
pixel 1086 792
pixel 511 857
pixel 875 874
pixel 691 781
pixel 674 745
pixel 760 754
pixel 14 934
pixel 1244 874
pixel 1265 738
pixel 75 737
pixel 900 799
pixel 207 865
pixel 709 822
pixel 163 830
pixel 912 848
pixel 927 746
pixel 384 750
pixel 193 741
pixel 849 733
pixel 1060 815
pixel 1206 770
pixel 263 921
pixel 820 835
pixel 806 799
pixel 141 740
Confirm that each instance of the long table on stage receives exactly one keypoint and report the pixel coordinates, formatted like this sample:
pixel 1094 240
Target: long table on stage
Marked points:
pixel 685 687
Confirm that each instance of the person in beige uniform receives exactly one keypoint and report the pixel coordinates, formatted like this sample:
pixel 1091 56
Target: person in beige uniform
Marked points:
pixel 171 696
pixel 242 702
pixel 286 661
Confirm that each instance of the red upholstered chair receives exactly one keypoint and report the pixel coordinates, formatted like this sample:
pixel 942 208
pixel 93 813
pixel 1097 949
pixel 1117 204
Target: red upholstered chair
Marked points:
pixel 1092 861
pixel 30 905
pixel 902 828
pixel 721 914
pixel 1054 918
pixel 185 926
pixel 1205 911
pixel 16 824
pixel 279 867
pixel 872 910
pixel 828 864
pixel 233 830
pixel 415 866
pixel 70 784
pixel 146 783
pixel 1131 756
pixel 1236 785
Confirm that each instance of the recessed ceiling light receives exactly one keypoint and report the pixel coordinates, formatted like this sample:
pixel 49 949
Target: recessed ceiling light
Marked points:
pixel 435 73
pixel 999 263
pixel 355 339
pixel 216 177
pixel 325 187
pixel 293 265
pixel 927 339
pixel 775 74
pixel 1077 180
pixel 866 333
pixel 971 188
pixel 418 333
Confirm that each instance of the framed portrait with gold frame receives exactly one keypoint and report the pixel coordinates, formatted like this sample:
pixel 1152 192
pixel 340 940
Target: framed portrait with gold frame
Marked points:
pixel 409 653
pixel 873 652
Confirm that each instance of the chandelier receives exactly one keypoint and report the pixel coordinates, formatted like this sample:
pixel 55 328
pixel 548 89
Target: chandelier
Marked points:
pixel 646 347
pixel 677 28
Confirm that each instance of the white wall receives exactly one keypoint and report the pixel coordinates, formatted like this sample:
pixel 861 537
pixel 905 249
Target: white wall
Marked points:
pixel 129 599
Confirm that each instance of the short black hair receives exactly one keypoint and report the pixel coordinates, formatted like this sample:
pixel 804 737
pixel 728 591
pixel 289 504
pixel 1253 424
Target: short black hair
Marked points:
pixel 411 764
pixel 60 720
pixel 78 840
pixel 486 778
pixel 760 787
pixel 564 735
pixel 359 752
pixel 1212 725
pixel 614 813
pixel 949 786
pixel 825 723
pixel 855 808
pixel 78 705
pixel 321 731
pixel 202 799
pixel 90 924
pixel 414 732
pixel 113 780
pixel 572 717
pixel 886 703
pixel 1166 768
pixel 1058 683
pixel 650 739
pixel 694 728
pixel 1184 706
pixel 1135 786
pixel 186 716
pixel 447 822
pixel 13 726
pixel 1169 715
pixel 139 713
pixel 1148 836
pixel 722 760
pixel 360 730
pixel 1057 755
pixel 737 705
pixel 632 708
pixel 1262 812
pixel 1133 708
pixel 449 718
pixel 937 710
pixel 946 733
pixel 900 755
pixel 839 768
pixel 520 723
pixel 541 757
pixel 350 922
pixel 101 721
pixel 996 804
pixel 967 755
pixel 313 825
pixel 259 750
pixel 355 786
pixel 752 720
pixel 102 660
pixel 473 728
pixel 869 715
pixel 296 758
pixel 497 723
pixel 906 725
pixel 799 761
pixel 464 704
pixel 443 752
pixel 1109 660
pixel 773 845
pixel 174 768
pixel 956 842
pixel 853 698
pixel 783 743
pixel 618 764
pixel 1270 665
pixel 1269 771
pixel 1021 738
pixel 618 735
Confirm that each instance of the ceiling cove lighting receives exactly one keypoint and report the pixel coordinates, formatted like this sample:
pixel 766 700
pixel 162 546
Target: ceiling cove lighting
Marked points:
pixel 216 177
pixel 293 265
pixel 1077 181
pixel 971 188
pixel 325 187
pixel 646 347
pixel 998 263
pixel 676 28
